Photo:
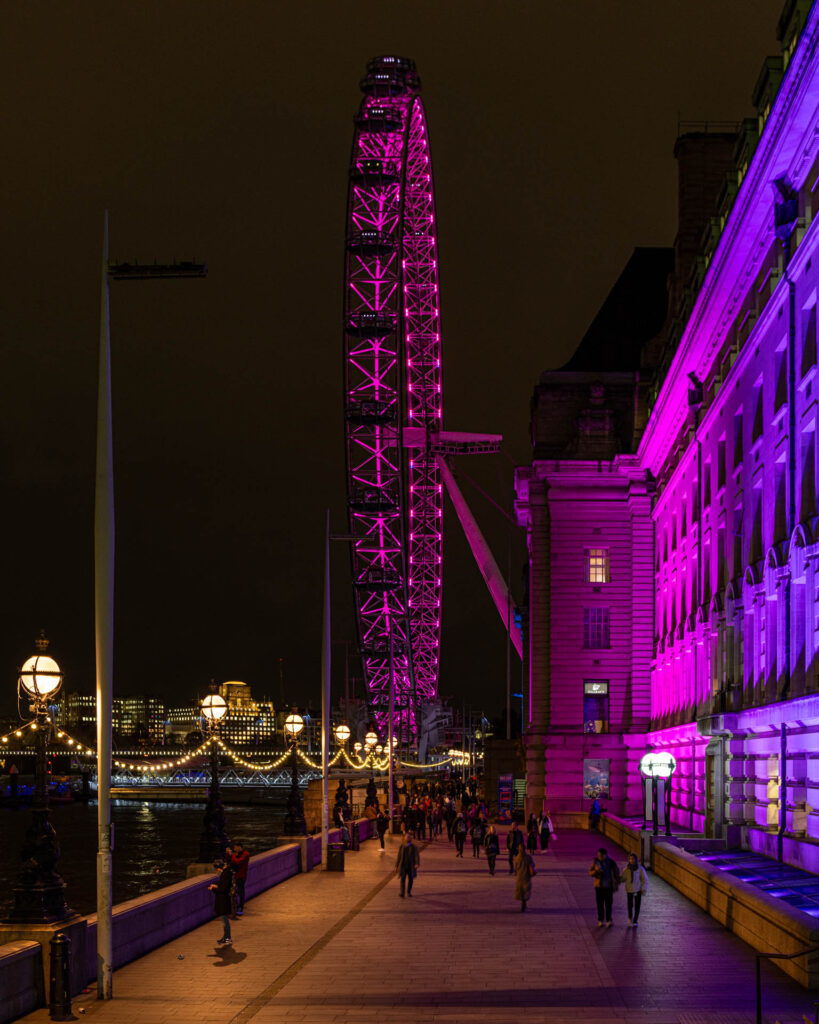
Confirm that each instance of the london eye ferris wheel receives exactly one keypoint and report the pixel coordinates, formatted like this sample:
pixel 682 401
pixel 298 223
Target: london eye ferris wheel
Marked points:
pixel 392 364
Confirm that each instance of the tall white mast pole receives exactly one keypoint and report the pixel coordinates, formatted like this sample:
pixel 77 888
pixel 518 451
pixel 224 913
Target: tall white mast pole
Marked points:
pixel 104 632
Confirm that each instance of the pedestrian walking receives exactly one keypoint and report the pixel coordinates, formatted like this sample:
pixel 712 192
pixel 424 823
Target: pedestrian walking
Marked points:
pixel 221 900
pixel 545 830
pixel 635 880
pixel 531 835
pixel 381 822
pixel 477 837
pixel 460 834
pixel 239 861
pixel 492 846
pixel 606 879
pixel 406 864
pixel 524 872
pixel 594 815
pixel 514 838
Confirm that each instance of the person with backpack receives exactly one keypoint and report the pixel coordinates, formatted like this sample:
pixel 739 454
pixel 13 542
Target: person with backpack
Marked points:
pixel 492 846
pixel 635 880
pixel 514 839
pixel 606 880
pixel 477 837
pixel 460 834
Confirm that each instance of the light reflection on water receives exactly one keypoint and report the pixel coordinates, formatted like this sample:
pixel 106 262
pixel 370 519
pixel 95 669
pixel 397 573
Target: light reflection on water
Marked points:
pixel 153 844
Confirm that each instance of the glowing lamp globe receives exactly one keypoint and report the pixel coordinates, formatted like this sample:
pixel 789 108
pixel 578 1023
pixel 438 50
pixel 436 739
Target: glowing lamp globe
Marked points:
pixel 293 725
pixel 214 708
pixel 40 676
pixel 371 739
pixel 658 765
pixel 342 733
pixel 379 749
pixel 356 747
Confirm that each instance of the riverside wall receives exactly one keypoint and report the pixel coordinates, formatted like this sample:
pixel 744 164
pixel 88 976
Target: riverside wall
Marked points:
pixel 143 924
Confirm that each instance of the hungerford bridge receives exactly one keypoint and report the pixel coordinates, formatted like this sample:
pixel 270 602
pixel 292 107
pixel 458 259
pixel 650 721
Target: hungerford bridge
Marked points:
pixel 144 768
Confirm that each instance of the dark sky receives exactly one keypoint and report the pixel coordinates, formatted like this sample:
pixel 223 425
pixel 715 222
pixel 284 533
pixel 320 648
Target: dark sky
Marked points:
pixel 223 131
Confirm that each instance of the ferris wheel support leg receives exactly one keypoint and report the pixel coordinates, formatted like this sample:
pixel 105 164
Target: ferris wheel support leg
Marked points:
pixel 498 587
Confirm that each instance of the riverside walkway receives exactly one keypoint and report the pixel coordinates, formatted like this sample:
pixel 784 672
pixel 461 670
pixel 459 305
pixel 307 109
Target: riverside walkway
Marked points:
pixel 325 947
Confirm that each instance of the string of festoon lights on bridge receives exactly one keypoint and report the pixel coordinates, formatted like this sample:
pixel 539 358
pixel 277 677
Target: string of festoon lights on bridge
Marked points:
pixel 372 756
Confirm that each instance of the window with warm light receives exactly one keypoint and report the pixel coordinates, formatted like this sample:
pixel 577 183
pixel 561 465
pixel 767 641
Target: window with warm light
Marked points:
pixel 597 565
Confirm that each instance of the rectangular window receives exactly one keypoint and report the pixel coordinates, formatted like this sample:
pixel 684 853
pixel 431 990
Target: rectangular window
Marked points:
pixel 597 565
pixel 595 705
pixel 809 339
pixel 595 627
pixel 759 419
pixel 721 463
pixel 738 439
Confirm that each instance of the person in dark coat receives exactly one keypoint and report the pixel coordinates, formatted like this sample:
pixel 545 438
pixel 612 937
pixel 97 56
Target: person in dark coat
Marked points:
pixel 606 879
pixel 221 902
pixel 406 863
pixel 460 834
pixel 492 846
pixel 381 822
pixel 239 859
pixel 514 839
pixel 477 837
pixel 524 869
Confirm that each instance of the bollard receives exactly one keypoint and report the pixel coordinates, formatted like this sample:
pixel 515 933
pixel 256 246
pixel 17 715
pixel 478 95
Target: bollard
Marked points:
pixel 356 844
pixel 59 989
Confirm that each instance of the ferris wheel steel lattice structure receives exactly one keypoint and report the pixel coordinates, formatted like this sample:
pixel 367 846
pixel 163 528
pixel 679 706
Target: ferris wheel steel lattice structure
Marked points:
pixel 396 447
pixel 392 351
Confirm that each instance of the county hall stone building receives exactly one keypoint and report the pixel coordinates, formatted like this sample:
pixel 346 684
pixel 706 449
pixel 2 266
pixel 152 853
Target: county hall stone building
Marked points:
pixel 671 502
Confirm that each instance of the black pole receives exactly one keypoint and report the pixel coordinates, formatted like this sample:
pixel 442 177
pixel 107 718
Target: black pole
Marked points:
pixel 213 840
pixel 294 823
pixel 758 989
pixel 39 893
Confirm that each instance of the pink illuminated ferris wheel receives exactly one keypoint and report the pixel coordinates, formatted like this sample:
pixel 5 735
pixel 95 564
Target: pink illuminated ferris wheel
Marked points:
pixel 392 351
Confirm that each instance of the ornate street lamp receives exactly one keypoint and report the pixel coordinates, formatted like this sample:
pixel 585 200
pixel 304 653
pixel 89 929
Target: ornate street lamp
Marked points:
pixel 342 734
pixel 213 840
pixel 39 894
pixel 294 823
pixel 371 739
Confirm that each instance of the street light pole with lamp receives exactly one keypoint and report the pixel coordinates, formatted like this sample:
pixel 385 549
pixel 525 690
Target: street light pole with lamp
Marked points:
pixel 213 840
pixel 39 894
pixel 294 823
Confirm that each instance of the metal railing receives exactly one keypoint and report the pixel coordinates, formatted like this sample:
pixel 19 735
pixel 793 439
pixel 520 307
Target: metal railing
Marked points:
pixel 779 956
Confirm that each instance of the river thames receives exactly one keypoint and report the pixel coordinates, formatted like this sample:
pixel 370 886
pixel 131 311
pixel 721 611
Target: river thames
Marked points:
pixel 153 844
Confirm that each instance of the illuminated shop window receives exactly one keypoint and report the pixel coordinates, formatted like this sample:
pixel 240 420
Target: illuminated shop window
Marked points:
pixel 595 705
pixel 595 627
pixel 597 565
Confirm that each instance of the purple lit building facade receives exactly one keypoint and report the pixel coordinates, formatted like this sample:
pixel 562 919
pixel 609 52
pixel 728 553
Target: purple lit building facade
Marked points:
pixel 673 583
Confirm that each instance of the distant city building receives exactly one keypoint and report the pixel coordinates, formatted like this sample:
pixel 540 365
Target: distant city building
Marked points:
pixel 248 723
pixel 142 717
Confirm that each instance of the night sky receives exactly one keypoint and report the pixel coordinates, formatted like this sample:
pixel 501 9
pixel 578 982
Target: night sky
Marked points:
pixel 223 132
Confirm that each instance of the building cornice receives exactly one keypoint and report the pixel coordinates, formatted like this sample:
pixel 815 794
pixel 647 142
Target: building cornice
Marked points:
pixel 787 148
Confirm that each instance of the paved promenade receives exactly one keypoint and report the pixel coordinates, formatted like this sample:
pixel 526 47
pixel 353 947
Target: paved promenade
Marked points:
pixel 327 948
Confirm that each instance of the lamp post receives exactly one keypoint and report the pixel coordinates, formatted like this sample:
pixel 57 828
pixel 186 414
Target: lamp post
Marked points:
pixel 39 894
pixel 294 823
pixel 213 840
pixel 656 769
pixel 342 734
